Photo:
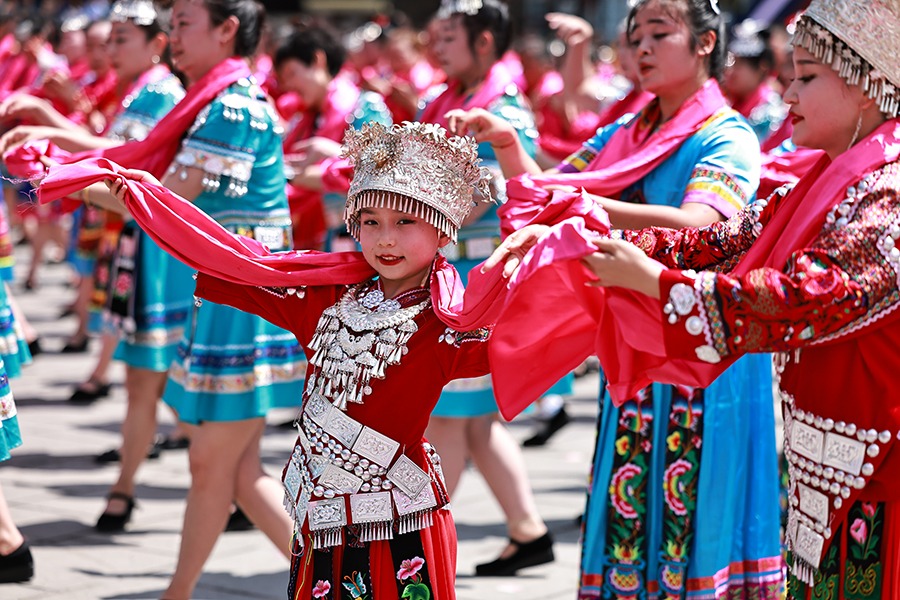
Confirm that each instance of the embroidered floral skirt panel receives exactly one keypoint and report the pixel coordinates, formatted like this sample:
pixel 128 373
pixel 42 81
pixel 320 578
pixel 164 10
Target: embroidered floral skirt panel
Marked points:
pixel 420 565
pixel 150 296
pixel 683 501
pixel 862 561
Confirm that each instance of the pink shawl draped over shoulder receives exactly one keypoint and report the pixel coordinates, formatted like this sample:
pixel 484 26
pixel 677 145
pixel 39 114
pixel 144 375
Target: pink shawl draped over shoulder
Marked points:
pixel 154 153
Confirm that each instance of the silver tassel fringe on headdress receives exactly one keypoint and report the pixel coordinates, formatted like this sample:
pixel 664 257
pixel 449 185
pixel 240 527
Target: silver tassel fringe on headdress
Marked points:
pixel 414 168
pixel 860 39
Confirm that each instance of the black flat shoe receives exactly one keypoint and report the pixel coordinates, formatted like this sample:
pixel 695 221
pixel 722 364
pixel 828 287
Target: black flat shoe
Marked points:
pixel 111 456
pixel 109 522
pixel 34 347
pixel 89 391
pixel 548 428
pixel 173 443
pixel 529 554
pixel 238 521
pixel 17 566
pixel 73 347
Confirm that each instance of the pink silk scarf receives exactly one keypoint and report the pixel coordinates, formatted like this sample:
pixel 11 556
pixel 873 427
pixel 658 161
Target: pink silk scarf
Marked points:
pixel 196 239
pixel 191 236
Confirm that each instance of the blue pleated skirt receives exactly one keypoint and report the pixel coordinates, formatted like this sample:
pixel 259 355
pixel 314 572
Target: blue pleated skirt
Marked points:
pixel 233 366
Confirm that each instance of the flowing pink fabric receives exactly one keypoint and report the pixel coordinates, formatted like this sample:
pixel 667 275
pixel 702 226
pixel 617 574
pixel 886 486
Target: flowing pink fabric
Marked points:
pixel 627 326
pixel 190 235
pixel 196 239
pixel 156 152
pixel 24 161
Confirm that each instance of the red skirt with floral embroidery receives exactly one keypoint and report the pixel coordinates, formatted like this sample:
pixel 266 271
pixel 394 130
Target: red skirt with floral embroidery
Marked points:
pixel 419 564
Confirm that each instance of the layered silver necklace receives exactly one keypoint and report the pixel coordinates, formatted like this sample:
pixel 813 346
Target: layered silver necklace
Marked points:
pixel 356 340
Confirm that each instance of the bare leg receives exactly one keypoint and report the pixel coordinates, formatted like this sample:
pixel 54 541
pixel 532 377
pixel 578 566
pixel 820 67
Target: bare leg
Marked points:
pixel 261 498
pixel 11 199
pixel 38 243
pixel 28 330
pixel 10 536
pixel 144 388
pixel 80 308
pixel 448 436
pixel 499 458
pixel 108 344
pixel 215 453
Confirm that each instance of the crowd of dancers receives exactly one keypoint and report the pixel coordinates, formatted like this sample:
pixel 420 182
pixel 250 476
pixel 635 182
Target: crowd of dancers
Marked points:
pixel 413 233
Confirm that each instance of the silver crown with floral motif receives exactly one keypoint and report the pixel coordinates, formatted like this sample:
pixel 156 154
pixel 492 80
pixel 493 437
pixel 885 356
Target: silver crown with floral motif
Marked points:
pixel 415 168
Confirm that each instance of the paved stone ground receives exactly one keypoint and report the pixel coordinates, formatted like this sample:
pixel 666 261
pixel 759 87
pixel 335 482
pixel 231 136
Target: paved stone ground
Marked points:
pixel 55 490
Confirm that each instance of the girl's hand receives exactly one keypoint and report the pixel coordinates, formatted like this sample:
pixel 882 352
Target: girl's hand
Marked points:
pixel 620 264
pixel 117 186
pixel 571 29
pixel 486 127
pixel 24 106
pixel 514 248
pixel 22 134
pixel 312 151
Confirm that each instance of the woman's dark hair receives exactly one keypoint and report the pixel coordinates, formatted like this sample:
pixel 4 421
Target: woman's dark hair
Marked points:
pixel 493 16
pixel 308 38
pixel 250 13
pixel 700 18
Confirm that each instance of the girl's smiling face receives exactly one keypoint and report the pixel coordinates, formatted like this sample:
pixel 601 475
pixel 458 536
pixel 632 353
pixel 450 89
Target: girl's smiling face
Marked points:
pixel 399 246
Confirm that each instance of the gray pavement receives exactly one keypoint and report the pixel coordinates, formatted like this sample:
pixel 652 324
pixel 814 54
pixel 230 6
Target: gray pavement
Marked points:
pixel 56 490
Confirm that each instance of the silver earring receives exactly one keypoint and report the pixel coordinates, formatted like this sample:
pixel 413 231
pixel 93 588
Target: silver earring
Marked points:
pixel 155 59
pixel 856 131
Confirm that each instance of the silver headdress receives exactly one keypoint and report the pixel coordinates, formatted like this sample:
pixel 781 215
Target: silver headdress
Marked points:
pixel 141 12
pixel 860 39
pixel 414 168
pixel 455 7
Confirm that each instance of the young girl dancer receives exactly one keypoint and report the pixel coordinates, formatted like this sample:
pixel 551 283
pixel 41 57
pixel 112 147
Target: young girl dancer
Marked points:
pixel 364 487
